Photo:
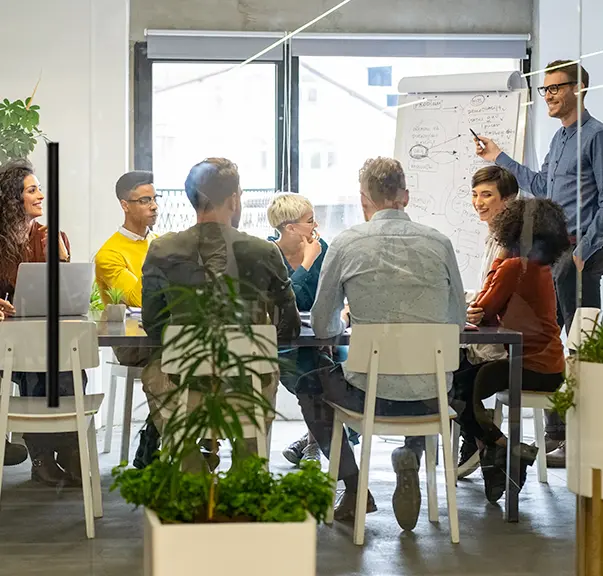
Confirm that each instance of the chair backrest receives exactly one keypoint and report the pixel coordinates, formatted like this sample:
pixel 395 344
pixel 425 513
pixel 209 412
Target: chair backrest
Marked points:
pixel 263 344
pixel 404 349
pixel 27 338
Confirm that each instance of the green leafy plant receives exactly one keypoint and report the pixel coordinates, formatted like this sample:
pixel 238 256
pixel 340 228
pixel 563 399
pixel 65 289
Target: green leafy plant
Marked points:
pixel 248 493
pixel 591 345
pixel 19 128
pixel 116 295
pixel 96 302
pixel 563 398
pixel 210 317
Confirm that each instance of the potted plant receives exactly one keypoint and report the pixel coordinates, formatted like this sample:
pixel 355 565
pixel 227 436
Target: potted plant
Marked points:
pixel 19 128
pixel 248 520
pixel 579 401
pixel 115 311
pixel 96 303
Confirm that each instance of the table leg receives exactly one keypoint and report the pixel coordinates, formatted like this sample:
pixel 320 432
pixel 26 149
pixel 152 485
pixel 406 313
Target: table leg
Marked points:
pixel 513 454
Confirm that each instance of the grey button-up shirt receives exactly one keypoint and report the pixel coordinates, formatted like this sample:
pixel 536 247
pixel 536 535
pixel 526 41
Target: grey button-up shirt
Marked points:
pixel 391 270
pixel 558 180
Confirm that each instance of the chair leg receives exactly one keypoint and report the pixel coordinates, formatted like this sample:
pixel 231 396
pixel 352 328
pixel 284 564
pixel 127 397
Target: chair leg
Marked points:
pixel 97 498
pixel 456 436
pixel 110 415
pixel 127 423
pixel 335 454
pixel 449 469
pixel 3 429
pixel 498 413
pixel 431 447
pixel 86 480
pixel 540 443
pixel 362 494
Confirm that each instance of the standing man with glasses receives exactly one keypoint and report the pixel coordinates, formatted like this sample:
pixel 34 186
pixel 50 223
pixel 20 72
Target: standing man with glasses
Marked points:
pixel 558 181
pixel 119 266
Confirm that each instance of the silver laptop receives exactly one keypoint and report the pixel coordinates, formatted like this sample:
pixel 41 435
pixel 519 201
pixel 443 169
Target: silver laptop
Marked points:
pixel 75 281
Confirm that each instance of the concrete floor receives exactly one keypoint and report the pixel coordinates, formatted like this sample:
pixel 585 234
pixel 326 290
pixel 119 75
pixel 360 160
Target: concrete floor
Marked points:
pixel 42 532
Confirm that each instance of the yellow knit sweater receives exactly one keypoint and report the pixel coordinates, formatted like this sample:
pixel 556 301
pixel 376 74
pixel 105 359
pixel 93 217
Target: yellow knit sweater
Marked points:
pixel 119 265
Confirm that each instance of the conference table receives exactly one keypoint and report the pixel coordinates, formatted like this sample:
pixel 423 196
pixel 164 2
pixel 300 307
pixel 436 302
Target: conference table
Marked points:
pixel 131 334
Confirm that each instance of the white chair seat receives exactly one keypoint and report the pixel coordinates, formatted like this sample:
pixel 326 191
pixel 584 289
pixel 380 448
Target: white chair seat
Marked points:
pixel 539 400
pixel 27 408
pixel 398 420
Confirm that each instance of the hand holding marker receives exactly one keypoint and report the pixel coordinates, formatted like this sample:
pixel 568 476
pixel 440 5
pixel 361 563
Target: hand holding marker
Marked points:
pixel 476 137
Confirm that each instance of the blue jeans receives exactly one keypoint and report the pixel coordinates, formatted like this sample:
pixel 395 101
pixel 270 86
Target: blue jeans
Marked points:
pixel 329 383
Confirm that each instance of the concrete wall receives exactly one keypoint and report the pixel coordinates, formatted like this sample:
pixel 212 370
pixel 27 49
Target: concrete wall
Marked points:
pixel 387 16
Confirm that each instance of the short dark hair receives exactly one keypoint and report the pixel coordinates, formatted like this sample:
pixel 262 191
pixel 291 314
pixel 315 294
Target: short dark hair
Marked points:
pixel 130 181
pixel 211 182
pixel 383 178
pixel 532 227
pixel 505 182
pixel 570 68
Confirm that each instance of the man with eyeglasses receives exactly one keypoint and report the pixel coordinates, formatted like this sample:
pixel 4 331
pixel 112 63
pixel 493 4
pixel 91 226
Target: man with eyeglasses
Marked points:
pixel 558 180
pixel 119 266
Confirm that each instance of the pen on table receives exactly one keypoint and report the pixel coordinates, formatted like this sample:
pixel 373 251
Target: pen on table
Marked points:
pixel 483 146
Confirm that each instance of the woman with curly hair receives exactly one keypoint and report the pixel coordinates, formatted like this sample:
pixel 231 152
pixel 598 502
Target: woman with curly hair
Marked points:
pixel 22 239
pixel 519 294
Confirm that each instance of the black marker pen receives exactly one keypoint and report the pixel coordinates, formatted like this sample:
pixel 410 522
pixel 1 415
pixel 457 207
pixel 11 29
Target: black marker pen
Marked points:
pixel 477 138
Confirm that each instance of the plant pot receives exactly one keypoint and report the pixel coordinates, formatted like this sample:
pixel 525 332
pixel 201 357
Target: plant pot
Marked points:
pixel 230 549
pixel 584 446
pixel 115 312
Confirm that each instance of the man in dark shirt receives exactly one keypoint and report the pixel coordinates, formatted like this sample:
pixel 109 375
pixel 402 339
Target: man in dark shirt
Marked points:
pixel 211 248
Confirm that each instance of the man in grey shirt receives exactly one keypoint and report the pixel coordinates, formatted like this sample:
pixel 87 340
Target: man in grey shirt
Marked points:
pixel 558 181
pixel 391 270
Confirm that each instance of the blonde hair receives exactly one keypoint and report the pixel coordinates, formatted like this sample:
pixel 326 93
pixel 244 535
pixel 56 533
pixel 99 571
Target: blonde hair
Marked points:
pixel 286 208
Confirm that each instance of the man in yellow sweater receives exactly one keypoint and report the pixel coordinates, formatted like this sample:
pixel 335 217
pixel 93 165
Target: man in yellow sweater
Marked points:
pixel 119 265
pixel 119 262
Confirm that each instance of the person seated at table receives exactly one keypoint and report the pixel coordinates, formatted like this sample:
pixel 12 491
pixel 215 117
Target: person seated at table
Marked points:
pixel 303 251
pixel 22 239
pixel 519 294
pixel 391 270
pixel 14 454
pixel 119 266
pixel 215 247
pixel 493 187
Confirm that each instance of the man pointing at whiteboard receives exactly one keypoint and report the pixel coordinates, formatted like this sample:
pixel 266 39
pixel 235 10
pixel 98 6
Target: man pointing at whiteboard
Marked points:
pixel 557 180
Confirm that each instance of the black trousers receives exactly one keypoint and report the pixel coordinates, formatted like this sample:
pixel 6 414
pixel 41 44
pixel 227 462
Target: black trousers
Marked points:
pixel 490 378
pixel 565 274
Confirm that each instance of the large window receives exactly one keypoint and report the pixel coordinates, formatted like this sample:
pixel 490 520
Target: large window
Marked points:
pixel 207 109
pixel 347 113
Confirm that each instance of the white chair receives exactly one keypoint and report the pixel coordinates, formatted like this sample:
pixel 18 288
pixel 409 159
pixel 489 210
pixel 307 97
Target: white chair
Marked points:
pixel 263 344
pixel 129 374
pixel 539 402
pixel 400 349
pixel 24 350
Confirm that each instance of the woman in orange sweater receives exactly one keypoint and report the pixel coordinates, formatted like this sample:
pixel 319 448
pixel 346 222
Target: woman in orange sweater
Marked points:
pixel 518 294
pixel 22 239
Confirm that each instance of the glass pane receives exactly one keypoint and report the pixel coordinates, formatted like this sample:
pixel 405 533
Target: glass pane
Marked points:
pixel 348 114
pixel 205 110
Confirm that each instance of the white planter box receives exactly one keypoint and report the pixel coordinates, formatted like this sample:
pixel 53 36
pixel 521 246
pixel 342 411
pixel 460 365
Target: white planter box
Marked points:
pixel 115 312
pixel 230 549
pixel 584 448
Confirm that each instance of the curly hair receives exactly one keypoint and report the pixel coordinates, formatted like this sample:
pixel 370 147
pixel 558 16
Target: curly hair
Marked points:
pixel 13 221
pixel 534 228
pixel 383 178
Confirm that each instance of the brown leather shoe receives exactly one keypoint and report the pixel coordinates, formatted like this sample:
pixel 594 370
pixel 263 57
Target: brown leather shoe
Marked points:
pixel 69 461
pixel 46 471
pixel 345 510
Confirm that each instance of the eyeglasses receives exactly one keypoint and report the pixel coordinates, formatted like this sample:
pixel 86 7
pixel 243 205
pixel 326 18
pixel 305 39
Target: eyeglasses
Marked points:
pixel 553 88
pixel 146 200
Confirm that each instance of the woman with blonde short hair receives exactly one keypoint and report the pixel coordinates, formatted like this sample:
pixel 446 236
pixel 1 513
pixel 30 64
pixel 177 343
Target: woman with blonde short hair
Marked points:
pixel 303 251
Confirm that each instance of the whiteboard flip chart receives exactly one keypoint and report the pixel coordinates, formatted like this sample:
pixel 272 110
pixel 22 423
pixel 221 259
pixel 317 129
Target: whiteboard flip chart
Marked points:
pixel 437 151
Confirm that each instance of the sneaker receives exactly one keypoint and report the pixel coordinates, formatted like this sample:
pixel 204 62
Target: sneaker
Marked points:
pixel 14 454
pixel 311 452
pixel 295 451
pixel 468 460
pixel 406 499
pixel 556 458
pixel 149 445
pixel 493 460
pixel 345 509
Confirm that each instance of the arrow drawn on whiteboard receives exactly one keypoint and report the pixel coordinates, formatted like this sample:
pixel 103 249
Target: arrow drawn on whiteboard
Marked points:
pixel 453 152
pixel 446 142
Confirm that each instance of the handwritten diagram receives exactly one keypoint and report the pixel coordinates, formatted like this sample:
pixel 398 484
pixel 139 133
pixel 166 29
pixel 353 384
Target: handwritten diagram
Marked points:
pixel 436 148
